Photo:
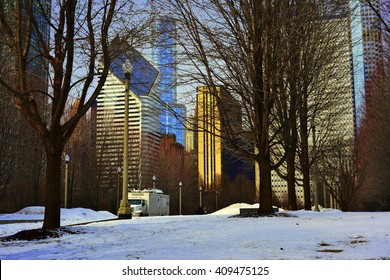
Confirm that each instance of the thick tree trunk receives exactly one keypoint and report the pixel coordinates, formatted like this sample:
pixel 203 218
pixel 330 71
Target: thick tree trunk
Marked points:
pixel 53 188
pixel 265 192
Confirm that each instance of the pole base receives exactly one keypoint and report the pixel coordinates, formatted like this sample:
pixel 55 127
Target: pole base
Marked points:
pixel 124 216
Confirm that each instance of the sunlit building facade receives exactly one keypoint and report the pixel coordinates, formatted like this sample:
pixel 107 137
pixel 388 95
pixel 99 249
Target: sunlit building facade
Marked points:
pixel 209 139
pixel 366 42
pixel 333 116
pixel 217 161
pixel 144 135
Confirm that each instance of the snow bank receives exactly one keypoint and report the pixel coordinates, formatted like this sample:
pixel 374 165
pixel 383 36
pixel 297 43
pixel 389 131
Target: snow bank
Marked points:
pixel 68 216
pixel 234 209
pixel 32 210
pixel 80 215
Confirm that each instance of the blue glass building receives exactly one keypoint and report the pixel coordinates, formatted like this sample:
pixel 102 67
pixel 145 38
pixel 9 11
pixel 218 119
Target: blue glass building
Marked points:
pixel 172 114
pixel 143 78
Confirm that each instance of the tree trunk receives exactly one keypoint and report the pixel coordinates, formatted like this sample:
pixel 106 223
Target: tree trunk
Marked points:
pixel 292 198
pixel 304 157
pixel 292 148
pixel 305 170
pixel 53 187
pixel 265 192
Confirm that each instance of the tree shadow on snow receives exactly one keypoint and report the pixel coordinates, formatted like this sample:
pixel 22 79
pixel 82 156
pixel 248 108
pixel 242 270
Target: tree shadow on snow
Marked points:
pixel 39 234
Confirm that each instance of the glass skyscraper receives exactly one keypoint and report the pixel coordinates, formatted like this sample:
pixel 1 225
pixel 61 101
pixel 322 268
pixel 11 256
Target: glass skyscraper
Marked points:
pixel 172 114
pixel 366 41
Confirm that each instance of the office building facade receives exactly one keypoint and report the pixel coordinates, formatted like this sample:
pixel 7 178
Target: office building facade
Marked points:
pixel 209 139
pixel 144 135
pixel 367 52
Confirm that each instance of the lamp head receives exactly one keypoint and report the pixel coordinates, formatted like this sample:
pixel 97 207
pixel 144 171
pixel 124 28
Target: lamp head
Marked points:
pixel 127 67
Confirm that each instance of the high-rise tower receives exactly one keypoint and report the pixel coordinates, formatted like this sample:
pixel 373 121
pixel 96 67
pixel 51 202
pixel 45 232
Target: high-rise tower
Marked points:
pixel 366 41
pixel 144 136
pixel 164 57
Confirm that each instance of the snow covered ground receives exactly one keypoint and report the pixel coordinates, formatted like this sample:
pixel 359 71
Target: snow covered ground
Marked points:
pixel 326 235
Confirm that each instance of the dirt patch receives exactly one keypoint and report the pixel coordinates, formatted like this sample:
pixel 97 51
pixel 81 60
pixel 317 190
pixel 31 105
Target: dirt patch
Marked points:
pixel 323 244
pixel 38 234
pixel 330 251
pixel 257 215
pixel 357 241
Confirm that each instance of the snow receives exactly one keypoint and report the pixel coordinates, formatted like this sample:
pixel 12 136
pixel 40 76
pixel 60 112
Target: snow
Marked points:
pixel 234 209
pixel 305 235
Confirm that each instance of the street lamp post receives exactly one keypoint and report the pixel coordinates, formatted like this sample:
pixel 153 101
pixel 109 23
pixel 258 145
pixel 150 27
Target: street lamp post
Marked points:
pixel 119 170
pixel 200 196
pixel 67 159
pixel 124 209
pixel 154 181
pixel 180 184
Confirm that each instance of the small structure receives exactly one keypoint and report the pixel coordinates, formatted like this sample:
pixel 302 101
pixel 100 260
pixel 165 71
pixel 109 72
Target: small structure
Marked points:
pixel 148 202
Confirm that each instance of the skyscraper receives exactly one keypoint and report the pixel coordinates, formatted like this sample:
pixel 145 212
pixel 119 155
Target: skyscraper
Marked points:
pixel 209 139
pixel 172 114
pixel 215 156
pixel 366 41
pixel 144 136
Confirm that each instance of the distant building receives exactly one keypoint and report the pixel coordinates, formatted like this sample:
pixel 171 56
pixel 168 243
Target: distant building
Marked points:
pixel 367 51
pixel 218 162
pixel 190 134
pixel 358 47
pixel 172 113
pixel 28 158
pixel 209 139
pixel 144 135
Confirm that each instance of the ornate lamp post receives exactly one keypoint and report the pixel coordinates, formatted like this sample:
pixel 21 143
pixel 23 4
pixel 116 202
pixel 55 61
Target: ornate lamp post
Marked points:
pixel 180 184
pixel 67 159
pixel 154 181
pixel 124 208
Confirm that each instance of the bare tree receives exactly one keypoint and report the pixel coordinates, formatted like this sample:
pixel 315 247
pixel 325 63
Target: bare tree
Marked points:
pixel 375 150
pixel 276 59
pixel 343 175
pixel 375 193
pixel 235 45
pixel 79 30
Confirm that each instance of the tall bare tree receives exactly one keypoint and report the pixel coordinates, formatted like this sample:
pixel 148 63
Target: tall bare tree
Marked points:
pixel 235 45
pixel 373 147
pixel 80 29
pixel 272 56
